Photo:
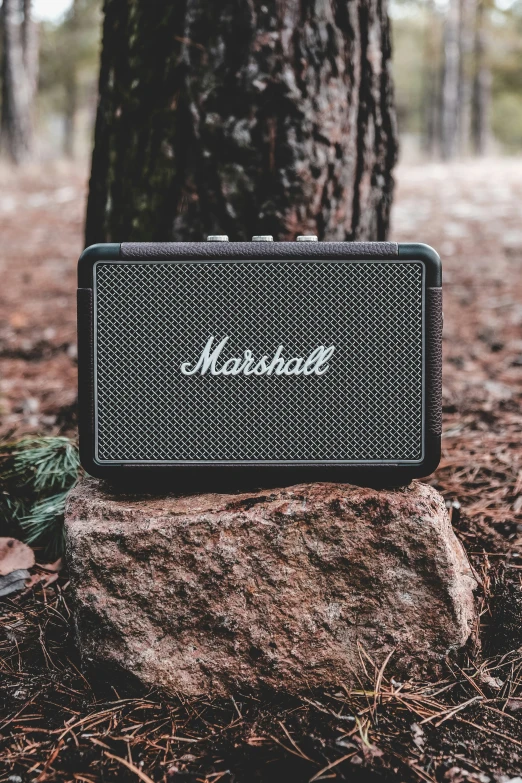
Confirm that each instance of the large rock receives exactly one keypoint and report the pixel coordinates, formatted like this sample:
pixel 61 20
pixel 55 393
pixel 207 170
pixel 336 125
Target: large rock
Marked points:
pixel 280 588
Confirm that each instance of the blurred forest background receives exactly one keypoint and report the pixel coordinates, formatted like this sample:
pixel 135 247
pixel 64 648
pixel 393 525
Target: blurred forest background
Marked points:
pixel 457 70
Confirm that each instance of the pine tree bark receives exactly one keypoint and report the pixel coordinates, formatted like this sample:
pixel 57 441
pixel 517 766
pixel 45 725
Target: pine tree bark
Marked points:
pixel 18 80
pixel 241 118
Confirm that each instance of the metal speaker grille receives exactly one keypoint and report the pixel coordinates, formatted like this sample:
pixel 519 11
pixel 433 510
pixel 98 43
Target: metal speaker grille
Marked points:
pixel 151 317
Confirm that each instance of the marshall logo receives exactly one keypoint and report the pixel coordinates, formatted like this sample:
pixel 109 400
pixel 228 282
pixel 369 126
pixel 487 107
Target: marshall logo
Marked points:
pixel 314 364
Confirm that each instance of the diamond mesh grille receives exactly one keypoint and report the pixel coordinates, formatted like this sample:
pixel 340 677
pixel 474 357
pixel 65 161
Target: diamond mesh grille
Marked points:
pixel 151 317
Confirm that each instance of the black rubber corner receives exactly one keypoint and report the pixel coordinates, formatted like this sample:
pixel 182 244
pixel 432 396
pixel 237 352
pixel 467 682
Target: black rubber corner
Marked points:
pixel 109 251
pixel 416 251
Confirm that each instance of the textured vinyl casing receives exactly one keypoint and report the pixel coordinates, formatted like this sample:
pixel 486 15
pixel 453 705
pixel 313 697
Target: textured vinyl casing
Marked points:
pixel 145 310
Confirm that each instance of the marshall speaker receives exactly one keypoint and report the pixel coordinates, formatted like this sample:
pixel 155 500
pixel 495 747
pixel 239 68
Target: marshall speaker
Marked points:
pixel 316 358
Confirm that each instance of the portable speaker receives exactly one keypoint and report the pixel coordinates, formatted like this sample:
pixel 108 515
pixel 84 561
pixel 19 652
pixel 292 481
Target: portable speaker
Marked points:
pixel 321 359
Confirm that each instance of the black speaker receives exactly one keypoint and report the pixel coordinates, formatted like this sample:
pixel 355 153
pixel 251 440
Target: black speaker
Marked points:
pixel 321 359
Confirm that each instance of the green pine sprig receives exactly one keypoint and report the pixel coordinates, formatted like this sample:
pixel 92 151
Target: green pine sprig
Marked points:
pixel 36 473
pixel 45 523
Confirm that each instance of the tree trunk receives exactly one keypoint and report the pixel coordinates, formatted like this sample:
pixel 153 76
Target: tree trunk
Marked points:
pixel 260 117
pixel 69 118
pixel 71 85
pixel 431 82
pixel 17 87
pixel 30 48
pixel 466 36
pixel 481 85
pixel 450 95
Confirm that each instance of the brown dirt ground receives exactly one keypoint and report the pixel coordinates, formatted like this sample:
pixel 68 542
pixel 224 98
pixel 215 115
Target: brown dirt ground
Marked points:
pixel 63 724
pixel 41 227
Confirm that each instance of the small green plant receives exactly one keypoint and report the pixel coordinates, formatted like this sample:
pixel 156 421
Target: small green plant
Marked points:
pixel 36 474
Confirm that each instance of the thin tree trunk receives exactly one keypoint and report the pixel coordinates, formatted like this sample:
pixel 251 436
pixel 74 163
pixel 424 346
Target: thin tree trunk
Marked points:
pixel 17 94
pixel 30 46
pixel 260 117
pixel 481 85
pixel 466 36
pixel 71 87
pixel 450 95
pixel 431 83
pixel 71 107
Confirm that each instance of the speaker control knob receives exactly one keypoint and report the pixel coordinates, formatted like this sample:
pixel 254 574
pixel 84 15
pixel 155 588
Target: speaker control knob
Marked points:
pixel 307 238
pixel 263 238
pixel 217 238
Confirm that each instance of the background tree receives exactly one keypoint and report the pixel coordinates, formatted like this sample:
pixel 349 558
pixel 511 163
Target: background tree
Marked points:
pixel 468 11
pixel 430 126
pixel 488 109
pixel 451 81
pixel 480 130
pixel 19 72
pixel 68 70
pixel 30 47
pixel 72 27
pixel 274 116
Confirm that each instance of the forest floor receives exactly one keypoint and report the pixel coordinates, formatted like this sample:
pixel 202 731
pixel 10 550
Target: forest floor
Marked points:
pixel 59 722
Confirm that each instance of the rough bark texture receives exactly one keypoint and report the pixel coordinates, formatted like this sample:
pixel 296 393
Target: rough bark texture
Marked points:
pixel 267 116
pixel 19 61
pixel 281 588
